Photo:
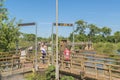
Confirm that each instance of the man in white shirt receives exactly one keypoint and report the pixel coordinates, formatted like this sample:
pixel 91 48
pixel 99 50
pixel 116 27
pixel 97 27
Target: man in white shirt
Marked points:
pixel 43 51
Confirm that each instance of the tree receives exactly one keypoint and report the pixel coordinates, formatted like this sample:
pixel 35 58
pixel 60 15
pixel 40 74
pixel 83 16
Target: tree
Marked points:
pixel 9 36
pixel 9 31
pixel 93 31
pixel 117 36
pixel 81 26
pixel 98 38
pixel 3 12
pixel 71 37
pixel 29 37
pixel 54 36
pixel 111 39
pixel 80 30
pixel 106 31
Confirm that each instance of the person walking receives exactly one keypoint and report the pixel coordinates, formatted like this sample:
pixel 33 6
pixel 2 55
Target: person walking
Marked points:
pixel 43 51
pixel 67 56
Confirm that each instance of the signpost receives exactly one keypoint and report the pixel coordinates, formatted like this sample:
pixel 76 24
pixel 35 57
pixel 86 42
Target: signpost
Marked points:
pixel 27 24
pixel 33 24
pixel 63 24
pixel 59 24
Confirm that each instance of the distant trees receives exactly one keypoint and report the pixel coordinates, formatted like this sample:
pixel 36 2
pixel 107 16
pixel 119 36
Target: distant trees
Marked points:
pixel 106 31
pixel 90 32
pixel 29 37
pixel 103 41
pixel 117 36
pixel 81 26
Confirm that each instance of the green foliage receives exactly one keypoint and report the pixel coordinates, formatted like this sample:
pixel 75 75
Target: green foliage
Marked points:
pixel 98 47
pixel 106 31
pixel 50 73
pixel 35 76
pixel 111 39
pixel 3 12
pixel 9 35
pixel 105 48
pixel 118 47
pixel 25 44
pixel 117 36
pixel 91 32
pixel 71 37
pixel 30 76
pixel 81 26
pixel 81 37
pixel 29 37
pixel 8 30
pixel 108 48
pixel 67 78
pixel 41 39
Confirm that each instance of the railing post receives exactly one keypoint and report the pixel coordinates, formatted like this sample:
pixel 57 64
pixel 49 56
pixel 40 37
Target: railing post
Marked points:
pixel 105 71
pixel 12 66
pixel 62 61
pixel 110 73
pixel 83 63
pixel 82 72
pixel 96 70
pixel 23 66
pixel 70 63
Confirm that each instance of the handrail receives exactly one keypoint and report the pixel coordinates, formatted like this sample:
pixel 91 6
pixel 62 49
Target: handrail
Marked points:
pixel 85 64
pixel 95 58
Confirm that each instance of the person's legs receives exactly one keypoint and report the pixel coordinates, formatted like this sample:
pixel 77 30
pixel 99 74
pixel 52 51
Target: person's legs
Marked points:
pixel 67 64
pixel 43 59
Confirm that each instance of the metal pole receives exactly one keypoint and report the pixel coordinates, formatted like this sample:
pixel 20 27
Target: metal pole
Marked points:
pixel 73 39
pixel 16 46
pixel 57 65
pixel 52 56
pixel 36 66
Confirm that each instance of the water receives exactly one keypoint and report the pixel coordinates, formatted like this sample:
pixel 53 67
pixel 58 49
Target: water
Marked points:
pixel 92 58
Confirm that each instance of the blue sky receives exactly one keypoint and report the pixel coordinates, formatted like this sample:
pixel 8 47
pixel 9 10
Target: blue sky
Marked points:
pixel 98 12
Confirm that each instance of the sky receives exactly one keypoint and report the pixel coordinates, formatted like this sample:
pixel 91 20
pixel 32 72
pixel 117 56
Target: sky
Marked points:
pixel 99 12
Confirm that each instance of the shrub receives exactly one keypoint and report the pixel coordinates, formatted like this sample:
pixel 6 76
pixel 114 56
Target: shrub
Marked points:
pixel 50 73
pixel 67 78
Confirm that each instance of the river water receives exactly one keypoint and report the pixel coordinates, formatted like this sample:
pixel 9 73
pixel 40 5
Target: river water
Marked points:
pixel 103 60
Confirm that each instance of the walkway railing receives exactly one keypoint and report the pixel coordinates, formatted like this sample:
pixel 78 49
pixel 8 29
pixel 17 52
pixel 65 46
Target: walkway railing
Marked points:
pixel 13 65
pixel 84 65
pixel 92 67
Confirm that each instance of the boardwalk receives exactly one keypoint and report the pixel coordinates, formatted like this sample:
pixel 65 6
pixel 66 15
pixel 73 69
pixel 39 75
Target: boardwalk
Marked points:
pixel 82 65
